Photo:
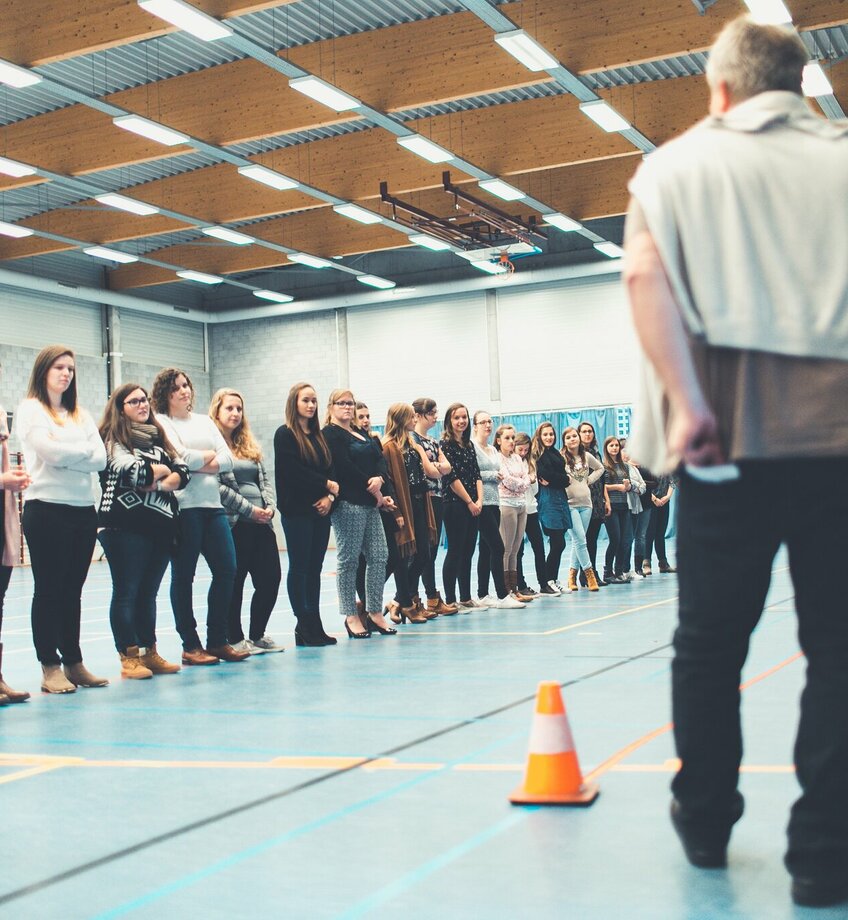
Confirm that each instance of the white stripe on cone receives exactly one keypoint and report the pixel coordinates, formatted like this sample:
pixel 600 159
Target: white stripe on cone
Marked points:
pixel 550 734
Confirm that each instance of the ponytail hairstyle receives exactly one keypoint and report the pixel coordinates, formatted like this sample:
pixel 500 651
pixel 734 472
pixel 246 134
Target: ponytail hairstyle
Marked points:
pixel 336 395
pixel 501 429
pixel 523 438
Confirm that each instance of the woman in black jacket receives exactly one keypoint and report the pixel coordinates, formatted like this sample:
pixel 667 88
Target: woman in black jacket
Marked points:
pixel 600 504
pixel 306 491
pixel 554 513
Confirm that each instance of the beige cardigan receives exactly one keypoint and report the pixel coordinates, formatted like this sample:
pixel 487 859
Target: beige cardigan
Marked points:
pixel 11 521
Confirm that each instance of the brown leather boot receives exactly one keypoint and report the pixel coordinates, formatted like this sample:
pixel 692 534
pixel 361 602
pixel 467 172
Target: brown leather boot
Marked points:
pixel 572 580
pixel 440 607
pixel 79 675
pixel 54 681
pixel 7 694
pixel 132 666
pixel 426 611
pixel 154 662
pixel 412 614
pixel 591 579
pixel 392 609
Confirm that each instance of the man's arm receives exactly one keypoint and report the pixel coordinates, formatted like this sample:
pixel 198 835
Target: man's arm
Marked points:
pixel 694 432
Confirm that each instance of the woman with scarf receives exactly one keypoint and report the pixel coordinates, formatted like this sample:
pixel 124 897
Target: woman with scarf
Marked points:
pixel 138 514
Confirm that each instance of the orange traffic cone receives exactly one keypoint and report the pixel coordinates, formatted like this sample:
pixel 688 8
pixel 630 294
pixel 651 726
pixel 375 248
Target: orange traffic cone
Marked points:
pixel 553 774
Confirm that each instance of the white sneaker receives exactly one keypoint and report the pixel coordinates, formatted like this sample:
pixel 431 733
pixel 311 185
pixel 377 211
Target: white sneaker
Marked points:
pixel 467 606
pixel 629 575
pixel 529 592
pixel 265 644
pixel 508 603
pixel 561 587
pixel 555 588
pixel 484 602
pixel 245 645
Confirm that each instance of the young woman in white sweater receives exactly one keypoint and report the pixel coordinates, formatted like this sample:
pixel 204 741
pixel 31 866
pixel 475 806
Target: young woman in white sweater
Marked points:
pixel 62 448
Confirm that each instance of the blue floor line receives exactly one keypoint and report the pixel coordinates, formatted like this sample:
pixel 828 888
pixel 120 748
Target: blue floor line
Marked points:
pixel 425 870
pixel 257 849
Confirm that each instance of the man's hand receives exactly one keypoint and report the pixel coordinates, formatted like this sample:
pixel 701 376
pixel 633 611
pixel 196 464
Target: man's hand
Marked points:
pixel 694 437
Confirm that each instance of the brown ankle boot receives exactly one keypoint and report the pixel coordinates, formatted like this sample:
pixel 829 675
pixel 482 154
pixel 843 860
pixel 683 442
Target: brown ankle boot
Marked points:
pixel 7 694
pixel 392 610
pixel 155 663
pixel 442 609
pixel 79 675
pixel 132 666
pixel 54 681
pixel 572 580
pixel 412 614
pixel 425 610
pixel 591 579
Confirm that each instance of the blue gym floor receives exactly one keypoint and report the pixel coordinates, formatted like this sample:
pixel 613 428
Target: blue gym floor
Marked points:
pixel 370 779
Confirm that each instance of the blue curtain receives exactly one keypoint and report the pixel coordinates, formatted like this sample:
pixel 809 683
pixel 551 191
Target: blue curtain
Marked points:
pixel 606 421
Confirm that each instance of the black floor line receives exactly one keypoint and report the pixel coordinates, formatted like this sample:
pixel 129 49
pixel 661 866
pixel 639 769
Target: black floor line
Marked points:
pixel 298 787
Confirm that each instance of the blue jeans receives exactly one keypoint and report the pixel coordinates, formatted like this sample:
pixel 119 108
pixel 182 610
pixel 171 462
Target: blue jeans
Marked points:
pixel 137 564
pixel 580 518
pixel 203 531
pixel 307 536
pixel 641 526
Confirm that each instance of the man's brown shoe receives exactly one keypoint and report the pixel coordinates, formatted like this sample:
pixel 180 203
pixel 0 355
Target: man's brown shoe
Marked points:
pixel 198 656
pixel 227 653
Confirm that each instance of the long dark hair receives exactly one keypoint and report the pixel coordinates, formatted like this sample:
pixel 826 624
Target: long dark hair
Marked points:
pixel 581 450
pixel 37 389
pixel 116 428
pixel 312 444
pixel 448 434
pixel 537 448
pixel 619 467
pixel 162 387
pixel 594 445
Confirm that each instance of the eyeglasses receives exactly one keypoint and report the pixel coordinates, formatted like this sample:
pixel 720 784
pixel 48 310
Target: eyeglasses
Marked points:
pixel 138 401
pixel 344 403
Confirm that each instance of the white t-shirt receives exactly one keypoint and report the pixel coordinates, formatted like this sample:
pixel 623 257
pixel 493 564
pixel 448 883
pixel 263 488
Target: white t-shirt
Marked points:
pixel 191 437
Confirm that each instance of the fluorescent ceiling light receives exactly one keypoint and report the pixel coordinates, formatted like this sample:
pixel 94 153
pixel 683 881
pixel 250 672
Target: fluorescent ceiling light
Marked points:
pixel 267 177
pixel 525 49
pixel 354 212
pixel 113 255
pixel 814 82
pixel 502 189
pixel 561 221
pixel 151 130
pixel 14 230
pixel 187 18
pixel 375 281
pixel 16 169
pixel 274 295
pixel 127 204
pixel 325 93
pixel 230 236
pixel 769 12
pixel 200 277
pixel 426 149
pixel 605 116
pixel 19 77
pixel 430 242
pixel 610 249
pixel 312 261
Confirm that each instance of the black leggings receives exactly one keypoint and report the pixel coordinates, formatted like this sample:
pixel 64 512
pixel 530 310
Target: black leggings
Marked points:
pixel 256 555
pixel 490 555
pixel 461 528
pixel 557 545
pixel 656 534
pixel 592 540
pixel 533 532
pixel 620 530
pixel 428 568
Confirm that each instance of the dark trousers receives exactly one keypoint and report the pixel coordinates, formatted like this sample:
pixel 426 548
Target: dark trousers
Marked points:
pixel 424 550
pixel 137 563
pixel 428 567
pixel 620 532
pixel 533 532
pixel 556 541
pixel 641 526
pixel 61 540
pixel 256 555
pixel 729 534
pixel 307 536
pixel 592 532
pixel 490 555
pixel 206 532
pixel 5 575
pixel 461 529
pixel 656 533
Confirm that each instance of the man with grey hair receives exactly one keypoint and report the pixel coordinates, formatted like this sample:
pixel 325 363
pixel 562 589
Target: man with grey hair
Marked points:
pixel 736 269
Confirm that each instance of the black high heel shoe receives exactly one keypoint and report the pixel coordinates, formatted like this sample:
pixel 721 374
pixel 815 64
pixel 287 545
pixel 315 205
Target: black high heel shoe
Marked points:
pixel 382 630
pixel 356 635
pixel 314 640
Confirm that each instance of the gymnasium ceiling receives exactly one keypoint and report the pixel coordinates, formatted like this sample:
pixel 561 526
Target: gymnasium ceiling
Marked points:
pixel 429 68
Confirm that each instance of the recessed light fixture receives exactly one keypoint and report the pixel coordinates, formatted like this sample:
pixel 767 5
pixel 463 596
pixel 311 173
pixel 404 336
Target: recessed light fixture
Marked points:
pixel 325 93
pixel 14 230
pixel 491 268
pixel 526 50
pixel 267 177
pixel 188 18
pixel 151 130
pixel 814 82
pixel 375 281
pixel 769 12
pixel 561 221
pixel 429 242
pixel 305 259
pixel 502 189
pixel 354 212
pixel 112 255
pixel 130 205
pixel 274 296
pixel 18 77
pixel 610 249
pixel 605 116
pixel 16 169
pixel 229 236
pixel 199 277
pixel 425 148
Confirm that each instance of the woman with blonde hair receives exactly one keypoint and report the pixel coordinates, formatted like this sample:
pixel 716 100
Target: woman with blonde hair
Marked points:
pixel 62 448
pixel 361 473
pixel 248 499
pixel 306 490
pixel 408 468
pixel 554 514
pixel 139 516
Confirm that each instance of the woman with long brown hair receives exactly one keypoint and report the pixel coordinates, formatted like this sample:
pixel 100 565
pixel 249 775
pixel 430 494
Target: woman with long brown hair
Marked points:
pixel 583 471
pixel 554 514
pixel 600 503
pixel 62 448
pixel 248 499
pixel 306 490
pixel 138 513
pixel 619 523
